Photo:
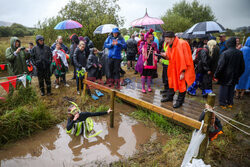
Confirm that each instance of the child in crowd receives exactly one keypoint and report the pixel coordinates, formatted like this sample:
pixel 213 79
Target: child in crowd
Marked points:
pixel 60 65
pixel 93 66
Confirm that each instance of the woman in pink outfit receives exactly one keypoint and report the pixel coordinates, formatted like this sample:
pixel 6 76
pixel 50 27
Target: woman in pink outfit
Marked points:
pixel 149 60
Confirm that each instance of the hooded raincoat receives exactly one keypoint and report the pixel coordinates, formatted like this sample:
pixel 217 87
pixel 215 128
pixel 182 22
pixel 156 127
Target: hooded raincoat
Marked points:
pixel 231 64
pixel 180 59
pixel 16 61
pixel 244 82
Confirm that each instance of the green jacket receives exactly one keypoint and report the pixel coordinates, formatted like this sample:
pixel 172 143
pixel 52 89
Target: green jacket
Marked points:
pixel 16 64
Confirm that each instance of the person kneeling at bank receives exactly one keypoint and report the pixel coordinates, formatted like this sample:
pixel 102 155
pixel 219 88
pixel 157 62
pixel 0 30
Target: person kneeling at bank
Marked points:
pixel 75 116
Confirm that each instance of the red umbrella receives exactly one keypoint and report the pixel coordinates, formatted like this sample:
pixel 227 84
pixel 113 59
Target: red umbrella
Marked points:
pixel 146 20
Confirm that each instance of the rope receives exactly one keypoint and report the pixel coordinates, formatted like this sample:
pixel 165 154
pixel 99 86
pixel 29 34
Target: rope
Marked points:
pixel 224 118
pixel 232 125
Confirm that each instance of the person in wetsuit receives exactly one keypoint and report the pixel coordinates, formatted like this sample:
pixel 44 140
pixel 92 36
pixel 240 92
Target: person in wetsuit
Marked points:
pixel 75 115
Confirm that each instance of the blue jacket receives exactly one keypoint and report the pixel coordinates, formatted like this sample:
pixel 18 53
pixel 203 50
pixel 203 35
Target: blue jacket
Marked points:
pixel 222 46
pixel 115 50
pixel 244 82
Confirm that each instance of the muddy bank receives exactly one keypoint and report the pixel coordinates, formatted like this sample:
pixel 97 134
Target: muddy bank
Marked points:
pixel 54 147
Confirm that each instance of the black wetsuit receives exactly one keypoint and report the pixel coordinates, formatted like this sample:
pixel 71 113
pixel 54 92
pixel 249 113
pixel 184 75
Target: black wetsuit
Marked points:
pixel 82 117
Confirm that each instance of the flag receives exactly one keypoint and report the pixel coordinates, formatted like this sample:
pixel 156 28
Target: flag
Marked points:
pixel 6 86
pixel 12 79
pixel 2 66
pixel 23 80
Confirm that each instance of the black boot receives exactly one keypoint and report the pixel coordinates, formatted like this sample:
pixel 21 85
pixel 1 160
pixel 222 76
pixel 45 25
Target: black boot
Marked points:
pixel 169 96
pixel 49 91
pixel 42 91
pixel 163 91
pixel 180 100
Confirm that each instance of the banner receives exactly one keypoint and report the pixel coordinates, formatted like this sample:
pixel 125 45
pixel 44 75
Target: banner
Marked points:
pixel 6 86
pixel 23 80
pixel 12 79
pixel 2 66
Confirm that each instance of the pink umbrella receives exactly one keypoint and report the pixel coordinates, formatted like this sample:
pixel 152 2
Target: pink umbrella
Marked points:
pixel 146 20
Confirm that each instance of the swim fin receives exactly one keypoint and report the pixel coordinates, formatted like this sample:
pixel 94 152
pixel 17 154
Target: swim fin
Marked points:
pixel 99 93
pixel 94 97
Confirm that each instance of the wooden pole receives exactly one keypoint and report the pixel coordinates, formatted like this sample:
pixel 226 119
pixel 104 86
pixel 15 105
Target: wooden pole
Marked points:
pixel 85 84
pixel 112 103
pixel 207 120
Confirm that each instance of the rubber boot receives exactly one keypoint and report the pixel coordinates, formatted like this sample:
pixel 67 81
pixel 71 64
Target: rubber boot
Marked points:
pixel 49 90
pixel 117 84
pixel 169 96
pixel 180 100
pixel 149 80
pixel 143 80
pixel 42 91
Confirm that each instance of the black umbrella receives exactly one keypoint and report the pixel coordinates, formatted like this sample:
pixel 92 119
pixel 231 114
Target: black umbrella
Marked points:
pixel 206 28
pixel 186 35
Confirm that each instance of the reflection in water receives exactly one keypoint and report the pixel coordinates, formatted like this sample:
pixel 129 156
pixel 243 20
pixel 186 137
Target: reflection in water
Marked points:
pixel 55 147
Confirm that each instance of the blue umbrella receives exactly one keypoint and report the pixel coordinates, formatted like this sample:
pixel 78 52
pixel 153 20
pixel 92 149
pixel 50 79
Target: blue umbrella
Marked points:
pixel 67 24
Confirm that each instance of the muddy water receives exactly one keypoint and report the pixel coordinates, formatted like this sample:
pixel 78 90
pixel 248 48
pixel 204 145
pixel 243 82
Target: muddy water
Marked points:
pixel 54 147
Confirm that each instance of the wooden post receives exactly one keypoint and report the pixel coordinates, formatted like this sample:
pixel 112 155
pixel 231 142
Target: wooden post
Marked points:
pixel 85 84
pixel 112 103
pixel 207 120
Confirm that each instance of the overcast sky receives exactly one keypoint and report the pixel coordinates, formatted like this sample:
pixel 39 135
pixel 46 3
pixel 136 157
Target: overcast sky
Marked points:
pixel 230 13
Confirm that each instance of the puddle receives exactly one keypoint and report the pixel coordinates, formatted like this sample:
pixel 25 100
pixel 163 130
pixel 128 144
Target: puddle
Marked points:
pixel 54 147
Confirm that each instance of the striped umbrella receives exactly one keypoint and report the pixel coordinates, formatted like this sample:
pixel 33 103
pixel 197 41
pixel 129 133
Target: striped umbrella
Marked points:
pixel 206 27
pixel 67 24
pixel 146 20
pixel 105 28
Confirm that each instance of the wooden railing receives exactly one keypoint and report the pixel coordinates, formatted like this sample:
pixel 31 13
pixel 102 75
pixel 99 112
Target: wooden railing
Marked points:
pixel 137 102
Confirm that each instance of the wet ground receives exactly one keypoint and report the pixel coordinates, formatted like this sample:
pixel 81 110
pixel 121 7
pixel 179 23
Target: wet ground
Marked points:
pixel 54 147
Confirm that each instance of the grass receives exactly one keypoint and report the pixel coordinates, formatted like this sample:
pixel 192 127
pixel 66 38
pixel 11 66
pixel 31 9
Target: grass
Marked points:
pixel 160 121
pixel 23 114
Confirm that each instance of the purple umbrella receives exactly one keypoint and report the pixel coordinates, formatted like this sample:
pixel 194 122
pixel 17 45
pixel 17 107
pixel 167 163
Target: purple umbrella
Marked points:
pixel 67 24
pixel 146 20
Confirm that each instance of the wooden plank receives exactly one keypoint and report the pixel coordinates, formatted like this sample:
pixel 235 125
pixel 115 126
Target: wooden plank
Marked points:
pixel 112 103
pixel 168 113
pixel 98 86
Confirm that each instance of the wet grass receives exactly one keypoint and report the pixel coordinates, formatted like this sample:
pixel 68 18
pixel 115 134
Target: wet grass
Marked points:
pixel 23 114
pixel 160 121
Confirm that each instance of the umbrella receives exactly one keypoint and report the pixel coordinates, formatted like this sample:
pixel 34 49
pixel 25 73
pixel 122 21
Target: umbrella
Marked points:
pixel 155 27
pixel 105 28
pixel 146 20
pixel 186 35
pixel 67 24
pixel 206 27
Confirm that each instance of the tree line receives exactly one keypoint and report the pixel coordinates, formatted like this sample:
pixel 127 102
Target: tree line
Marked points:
pixel 16 30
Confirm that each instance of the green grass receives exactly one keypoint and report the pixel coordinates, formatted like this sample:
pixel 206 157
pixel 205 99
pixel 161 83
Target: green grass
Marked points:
pixel 21 96
pixel 159 120
pixel 23 114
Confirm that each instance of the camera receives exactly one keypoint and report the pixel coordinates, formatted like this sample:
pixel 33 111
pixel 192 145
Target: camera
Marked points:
pixel 22 48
